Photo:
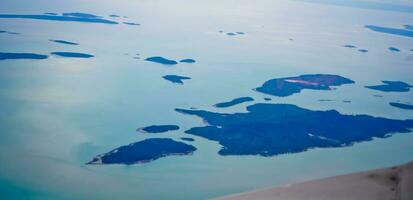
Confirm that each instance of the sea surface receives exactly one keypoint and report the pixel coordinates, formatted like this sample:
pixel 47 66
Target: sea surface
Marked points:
pixel 57 113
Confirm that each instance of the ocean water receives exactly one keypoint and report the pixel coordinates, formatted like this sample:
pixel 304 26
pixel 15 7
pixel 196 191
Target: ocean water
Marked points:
pixel 58 113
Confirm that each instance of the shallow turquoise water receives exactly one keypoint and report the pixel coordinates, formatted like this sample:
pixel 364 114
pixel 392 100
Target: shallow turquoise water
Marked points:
pixel 57 114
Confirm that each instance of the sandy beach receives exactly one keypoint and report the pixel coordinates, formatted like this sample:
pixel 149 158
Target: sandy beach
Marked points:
pixel 393 183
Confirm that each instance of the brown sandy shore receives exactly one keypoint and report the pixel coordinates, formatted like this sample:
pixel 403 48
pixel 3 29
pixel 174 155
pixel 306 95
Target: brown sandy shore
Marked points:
pixel 393 183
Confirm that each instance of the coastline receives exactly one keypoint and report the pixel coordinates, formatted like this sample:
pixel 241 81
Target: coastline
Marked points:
pixel 379 184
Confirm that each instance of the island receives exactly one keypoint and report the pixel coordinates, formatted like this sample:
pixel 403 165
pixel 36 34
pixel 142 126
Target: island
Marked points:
pixel 350 46
pixel 9 32
pixel 402 105
pixel 188 60
pixel 187 139
pixel 161 60
pixel 394 49
pixel 283 87
pixel 273 129
pixel 391 86
pixel 131 23
pixel 158 128
pixel 235 33
pixel 233 102
pixel 72 54
pixel 81 15
pixel 64 42
pixel 68 17
pixel 144 151
pixel 7 56
pixel 393 31
pixel 176 78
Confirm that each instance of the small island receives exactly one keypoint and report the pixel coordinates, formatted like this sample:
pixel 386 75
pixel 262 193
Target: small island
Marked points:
pixel 394 49
pixel 391 86
pixel 233 102
pixel 161 60
pixel 393 31
pixel 272 129
pixel 7 56
pixel 350 46
pixel 81 15
pixel 176 78
pixel 72 55
pixel 283 87
pixel 187 139
pixel 64 42
pixel 158 128
pixel 131 23
pixel 9 32
pixel 144 151
pixel 65 17
pixel 188 60
pixel 402 105
pixel 235 33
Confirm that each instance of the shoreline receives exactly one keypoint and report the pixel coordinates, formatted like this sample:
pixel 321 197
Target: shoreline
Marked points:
pixel 379 184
